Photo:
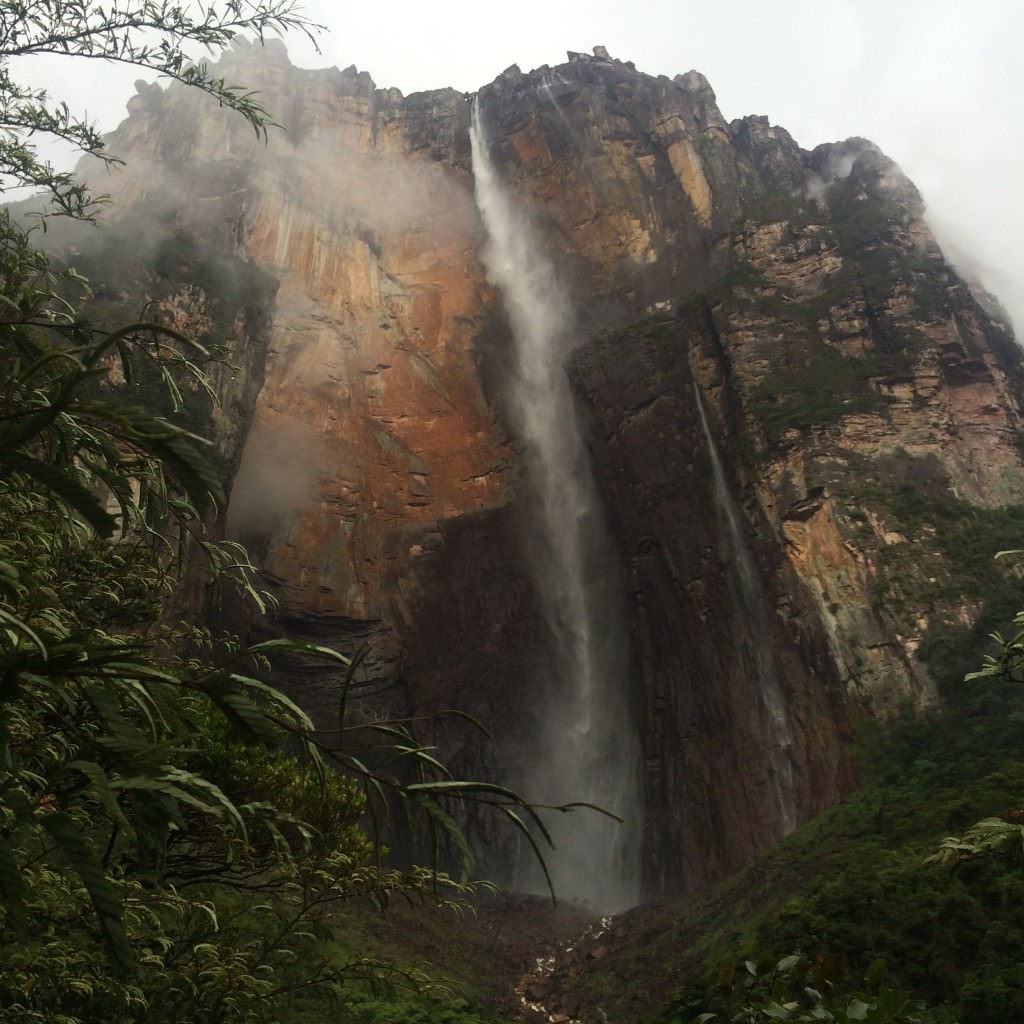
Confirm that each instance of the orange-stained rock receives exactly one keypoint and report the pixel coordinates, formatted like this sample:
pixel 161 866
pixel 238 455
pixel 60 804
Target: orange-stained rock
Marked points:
pixel 380 488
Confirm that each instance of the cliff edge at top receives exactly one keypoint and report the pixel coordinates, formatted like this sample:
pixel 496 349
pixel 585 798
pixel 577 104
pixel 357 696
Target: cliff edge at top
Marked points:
pixel 775 367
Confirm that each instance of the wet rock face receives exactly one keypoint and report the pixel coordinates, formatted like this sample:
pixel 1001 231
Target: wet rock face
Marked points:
pixel 838 356
pixel 629 177
pixel 699 648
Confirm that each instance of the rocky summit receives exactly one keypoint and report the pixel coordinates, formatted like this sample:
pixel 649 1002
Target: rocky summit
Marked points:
pixel 787 399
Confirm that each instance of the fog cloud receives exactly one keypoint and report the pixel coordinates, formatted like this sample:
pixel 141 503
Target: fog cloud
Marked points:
pixel 939 87
pixel 277 478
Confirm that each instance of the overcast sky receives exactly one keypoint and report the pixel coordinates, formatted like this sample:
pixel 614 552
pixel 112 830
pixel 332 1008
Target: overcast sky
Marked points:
pixel 938 84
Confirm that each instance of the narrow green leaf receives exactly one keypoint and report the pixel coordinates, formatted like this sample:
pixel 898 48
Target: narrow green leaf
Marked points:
pixel 66 487
pixel 23 628
pixel 875 973
pixel 527 833
pixel 104 793
pixel 106 899
pixel 13 890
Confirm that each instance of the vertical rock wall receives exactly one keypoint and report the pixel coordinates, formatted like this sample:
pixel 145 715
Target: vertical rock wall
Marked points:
pixel 840 357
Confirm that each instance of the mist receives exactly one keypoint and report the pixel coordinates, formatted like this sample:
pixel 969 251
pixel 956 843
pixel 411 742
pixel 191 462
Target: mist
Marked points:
pixel 275 480
pixel 940 88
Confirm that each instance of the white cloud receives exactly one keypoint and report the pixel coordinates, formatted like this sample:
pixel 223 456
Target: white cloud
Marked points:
pixel 940 87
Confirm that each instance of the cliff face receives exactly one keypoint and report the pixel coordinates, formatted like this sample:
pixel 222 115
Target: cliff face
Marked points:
pixel 783 385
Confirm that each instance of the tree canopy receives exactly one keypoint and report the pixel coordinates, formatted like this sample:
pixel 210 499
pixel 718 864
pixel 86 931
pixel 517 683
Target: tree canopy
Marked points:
pixel 175 838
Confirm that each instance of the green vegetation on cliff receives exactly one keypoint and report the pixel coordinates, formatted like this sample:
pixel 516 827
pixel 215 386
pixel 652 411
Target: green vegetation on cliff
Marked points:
pixel 814 387
pixel 963 575
pixel 856 892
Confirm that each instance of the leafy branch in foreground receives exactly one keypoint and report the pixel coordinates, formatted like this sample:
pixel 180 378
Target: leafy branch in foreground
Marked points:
pixel 805 989
pixel 154 35
pixel 174 844
pixel 173 833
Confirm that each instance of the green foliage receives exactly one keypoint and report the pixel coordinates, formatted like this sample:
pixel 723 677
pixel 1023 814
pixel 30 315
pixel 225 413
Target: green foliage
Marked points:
pixel 864 222
pixel 855 885
pixel 776 205
pixel 968 536
pixel 1003 835
pixel 804 989
pixel 412 1009
pixel 815 386
pixel 871 233
pixel 963 572
pixel 881 896
pixel 152 34
pixel 173 842
pixel 1008 664
pixel 148 813
pixel 993 848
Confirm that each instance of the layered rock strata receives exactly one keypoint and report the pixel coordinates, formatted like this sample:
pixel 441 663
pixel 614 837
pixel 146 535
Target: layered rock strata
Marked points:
pixel 840 359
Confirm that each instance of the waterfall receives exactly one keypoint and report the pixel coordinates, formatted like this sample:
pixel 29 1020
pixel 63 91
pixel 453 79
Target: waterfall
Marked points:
pixel 749 592
pixel 585 746
pixel 553 78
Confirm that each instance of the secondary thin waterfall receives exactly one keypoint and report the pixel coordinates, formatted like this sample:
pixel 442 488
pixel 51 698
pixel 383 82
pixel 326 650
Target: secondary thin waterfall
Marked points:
pixel 585 746
pixel 750 592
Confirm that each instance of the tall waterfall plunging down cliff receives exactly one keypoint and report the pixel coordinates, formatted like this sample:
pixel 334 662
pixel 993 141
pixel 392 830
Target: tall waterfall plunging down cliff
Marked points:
pixel 386 472
pixel 744 576
pixel 585 746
